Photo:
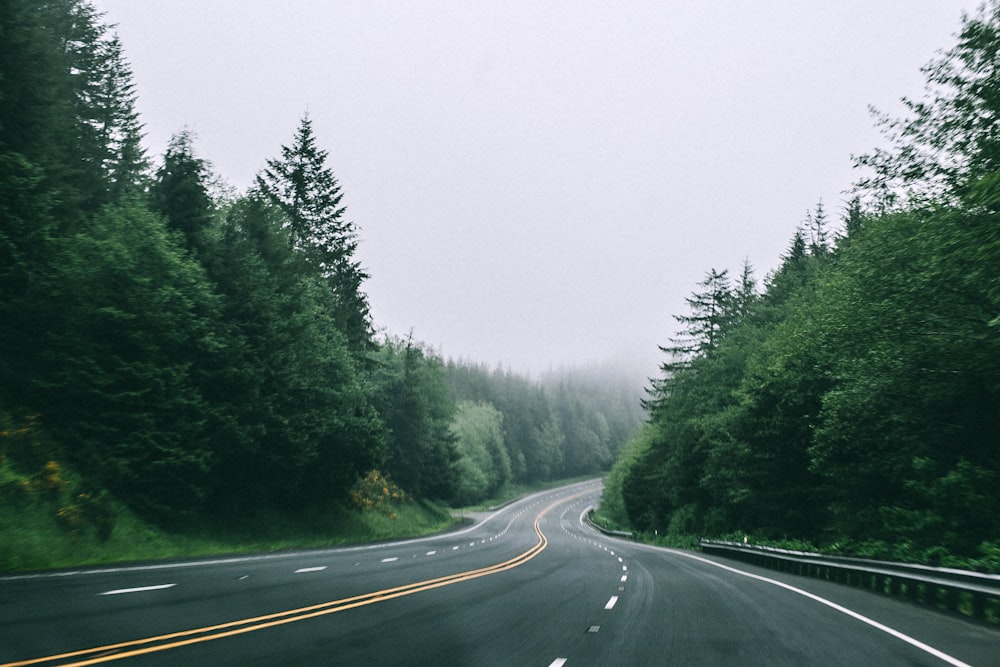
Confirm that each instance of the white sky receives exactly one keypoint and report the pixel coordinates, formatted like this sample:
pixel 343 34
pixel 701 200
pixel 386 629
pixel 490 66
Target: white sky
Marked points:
pixel 540 184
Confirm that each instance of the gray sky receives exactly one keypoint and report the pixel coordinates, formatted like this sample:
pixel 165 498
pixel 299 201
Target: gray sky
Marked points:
pixel 541 184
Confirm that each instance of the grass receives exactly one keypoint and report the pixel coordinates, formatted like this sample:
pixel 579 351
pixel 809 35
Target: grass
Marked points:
pixel 33 536
pixel 46 523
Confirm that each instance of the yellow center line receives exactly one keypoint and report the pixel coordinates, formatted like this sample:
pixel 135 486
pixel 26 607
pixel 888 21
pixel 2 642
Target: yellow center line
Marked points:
pixel 238 627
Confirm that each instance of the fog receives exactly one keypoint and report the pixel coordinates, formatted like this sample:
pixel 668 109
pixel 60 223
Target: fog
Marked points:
pixel 539 185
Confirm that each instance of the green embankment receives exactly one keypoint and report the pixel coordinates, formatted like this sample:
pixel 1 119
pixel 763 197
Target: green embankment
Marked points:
pixel 48 520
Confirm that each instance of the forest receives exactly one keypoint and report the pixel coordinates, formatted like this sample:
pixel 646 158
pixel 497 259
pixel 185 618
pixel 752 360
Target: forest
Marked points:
pixel 175 348
pixel 850 403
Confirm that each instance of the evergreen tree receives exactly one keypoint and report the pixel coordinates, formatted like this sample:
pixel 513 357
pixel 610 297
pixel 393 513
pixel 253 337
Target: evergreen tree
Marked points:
pixel 711 313
pixel 298 424
pixel 116 120
pixel 417 408
pixel 180 192
pixel 114 376
pixel 816 223
pixel 302 185
pixel 950 141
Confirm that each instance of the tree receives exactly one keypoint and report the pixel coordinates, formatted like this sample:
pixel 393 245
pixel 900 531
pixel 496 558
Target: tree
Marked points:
pixel 413 399
pixel 816 223
pixel 483 465
pixel 113 376
pixel 180 192
pixel 118 131
pixel 305 189
pixel 711 312
pixel 950 140
pixel 297 421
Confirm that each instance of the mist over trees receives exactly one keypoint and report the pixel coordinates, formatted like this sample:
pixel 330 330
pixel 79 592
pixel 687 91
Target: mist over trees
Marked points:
pixel 851 400
pixel 189 353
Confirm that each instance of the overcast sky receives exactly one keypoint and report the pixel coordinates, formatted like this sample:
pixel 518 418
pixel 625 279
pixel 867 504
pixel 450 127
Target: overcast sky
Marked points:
pixel 541 184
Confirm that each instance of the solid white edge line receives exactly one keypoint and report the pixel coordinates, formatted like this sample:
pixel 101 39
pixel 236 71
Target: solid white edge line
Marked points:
pixel 140 589
pixel 833 605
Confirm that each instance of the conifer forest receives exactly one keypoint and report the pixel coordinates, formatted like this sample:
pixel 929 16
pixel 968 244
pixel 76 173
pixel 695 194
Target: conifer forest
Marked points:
pixel 179 349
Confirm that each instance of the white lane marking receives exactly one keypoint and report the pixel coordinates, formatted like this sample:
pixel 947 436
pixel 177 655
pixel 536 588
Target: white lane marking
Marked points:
pixel 310 569
pixel 624 577
pixel 558 662
pixel 140 589
pixel 287 554
pixel 612 602
pixel 430 553
pixel 833 605
pixel 455 548
pixel 619 559
pixel 390 560
pixel 624 568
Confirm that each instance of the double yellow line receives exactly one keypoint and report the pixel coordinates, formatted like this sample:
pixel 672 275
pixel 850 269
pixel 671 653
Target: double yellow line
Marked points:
pixel 136 647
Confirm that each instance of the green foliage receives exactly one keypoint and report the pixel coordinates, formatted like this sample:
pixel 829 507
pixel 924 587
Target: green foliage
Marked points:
pixel 612 508
pixel 194 356
pixel 413 399
pixel 180 192
pixel 950 140
pixel 483 463
pixel 304 188
pixel 570 424
pixel 113 370
pixel 853 404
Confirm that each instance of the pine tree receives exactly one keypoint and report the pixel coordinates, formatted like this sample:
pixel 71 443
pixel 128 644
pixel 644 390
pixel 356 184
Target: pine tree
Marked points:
pixel 816 223
pixel 180 193
pixel 116 121
pixel 306 190
pixel 711 313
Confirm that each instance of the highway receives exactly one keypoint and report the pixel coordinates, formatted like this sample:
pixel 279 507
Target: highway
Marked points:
pixel 529 584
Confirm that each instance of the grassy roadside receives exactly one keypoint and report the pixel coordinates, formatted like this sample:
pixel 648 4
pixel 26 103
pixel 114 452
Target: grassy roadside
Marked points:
pixel 42 534
pixel 49 524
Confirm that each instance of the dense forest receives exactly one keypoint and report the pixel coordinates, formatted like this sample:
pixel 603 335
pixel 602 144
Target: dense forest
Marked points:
pixel 179 349
pixel 852 400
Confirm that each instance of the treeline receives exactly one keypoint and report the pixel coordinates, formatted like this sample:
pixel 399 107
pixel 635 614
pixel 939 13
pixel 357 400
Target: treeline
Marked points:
pixel 852 400
pixel 509 428
pixel 183 349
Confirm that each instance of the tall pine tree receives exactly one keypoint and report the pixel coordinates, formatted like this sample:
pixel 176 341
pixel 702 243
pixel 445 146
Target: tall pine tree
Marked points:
pixel 302 185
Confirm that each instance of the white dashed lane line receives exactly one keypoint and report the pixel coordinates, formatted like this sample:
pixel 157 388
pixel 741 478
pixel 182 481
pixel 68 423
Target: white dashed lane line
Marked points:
pixel 390 560
pixel 303 570
pixel 612 602
pixel 140 589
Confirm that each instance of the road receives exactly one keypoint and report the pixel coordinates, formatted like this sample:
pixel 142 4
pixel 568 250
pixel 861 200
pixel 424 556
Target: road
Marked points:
pixel 530 584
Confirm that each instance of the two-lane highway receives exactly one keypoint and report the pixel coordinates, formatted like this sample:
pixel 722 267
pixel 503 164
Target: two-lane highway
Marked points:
pixel 530 584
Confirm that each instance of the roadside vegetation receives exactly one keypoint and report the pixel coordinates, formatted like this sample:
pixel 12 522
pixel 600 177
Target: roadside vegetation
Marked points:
pixel 849 403
pixel 188 369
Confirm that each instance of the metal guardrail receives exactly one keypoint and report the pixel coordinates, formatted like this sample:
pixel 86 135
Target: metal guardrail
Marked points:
pixel 606 531
pixel 969 593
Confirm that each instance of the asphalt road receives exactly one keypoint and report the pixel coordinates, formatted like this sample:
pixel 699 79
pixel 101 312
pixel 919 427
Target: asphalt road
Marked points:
pixel 527 585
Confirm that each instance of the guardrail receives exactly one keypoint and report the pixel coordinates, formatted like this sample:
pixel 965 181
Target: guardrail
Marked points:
pixel 615 533
pixel 969 593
